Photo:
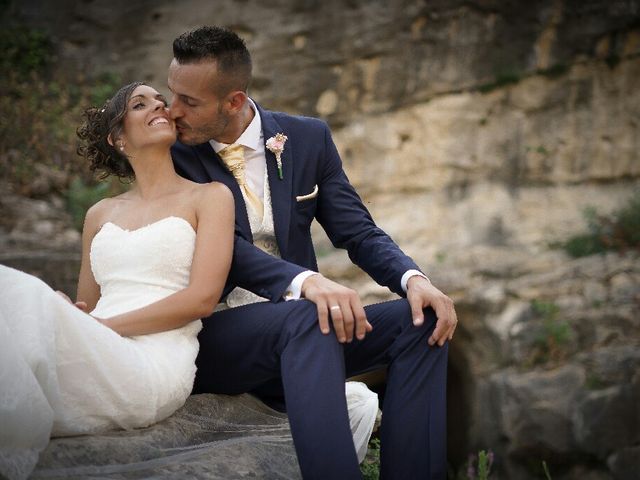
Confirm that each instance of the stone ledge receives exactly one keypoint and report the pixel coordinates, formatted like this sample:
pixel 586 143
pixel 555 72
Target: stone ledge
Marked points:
pixel 212 437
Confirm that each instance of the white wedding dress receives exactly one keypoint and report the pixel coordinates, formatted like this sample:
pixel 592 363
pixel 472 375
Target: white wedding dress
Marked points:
pixel 64 373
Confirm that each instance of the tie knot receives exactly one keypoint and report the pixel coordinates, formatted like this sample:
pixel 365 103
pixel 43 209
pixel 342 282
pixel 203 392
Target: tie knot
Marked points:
pixel 233 158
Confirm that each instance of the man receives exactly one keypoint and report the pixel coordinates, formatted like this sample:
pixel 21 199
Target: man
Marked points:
pixel 314 332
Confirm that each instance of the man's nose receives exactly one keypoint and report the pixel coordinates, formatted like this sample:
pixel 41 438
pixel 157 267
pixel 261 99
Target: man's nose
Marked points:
pixel 174 108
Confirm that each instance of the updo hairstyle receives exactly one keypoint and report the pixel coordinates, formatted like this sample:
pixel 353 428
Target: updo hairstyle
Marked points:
pixel 99 124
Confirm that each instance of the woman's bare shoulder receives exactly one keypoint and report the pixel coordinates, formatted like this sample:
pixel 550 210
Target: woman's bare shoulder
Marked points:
pixel 212 191
pixel 101 211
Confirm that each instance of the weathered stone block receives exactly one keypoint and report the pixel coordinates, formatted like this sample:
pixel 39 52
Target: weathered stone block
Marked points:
pixel 212 436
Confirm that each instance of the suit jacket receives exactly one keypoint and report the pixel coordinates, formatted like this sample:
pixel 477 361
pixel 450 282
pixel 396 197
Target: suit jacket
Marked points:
pixel 309 158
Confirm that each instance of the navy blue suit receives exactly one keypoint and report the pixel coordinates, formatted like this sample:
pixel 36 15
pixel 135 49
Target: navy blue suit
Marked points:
pixel 266 347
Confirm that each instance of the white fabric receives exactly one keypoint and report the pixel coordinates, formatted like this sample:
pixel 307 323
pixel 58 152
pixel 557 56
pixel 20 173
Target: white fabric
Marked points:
pixel 294 291
pixel 362 405
pixel 64 373
pixel 407 275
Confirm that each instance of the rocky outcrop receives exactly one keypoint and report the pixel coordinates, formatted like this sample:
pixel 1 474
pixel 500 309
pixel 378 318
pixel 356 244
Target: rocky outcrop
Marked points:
pixel 212 436
pixel 477 133
pixel 545 365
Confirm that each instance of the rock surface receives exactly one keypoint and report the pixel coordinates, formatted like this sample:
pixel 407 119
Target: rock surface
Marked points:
pixel 212 437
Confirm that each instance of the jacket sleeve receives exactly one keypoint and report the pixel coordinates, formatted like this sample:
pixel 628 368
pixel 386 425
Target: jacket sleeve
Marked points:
pixel 259 272
pixel 349 225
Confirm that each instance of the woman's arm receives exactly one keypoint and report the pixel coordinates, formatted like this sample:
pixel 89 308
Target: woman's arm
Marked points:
pixel 88 291
pixel 209 270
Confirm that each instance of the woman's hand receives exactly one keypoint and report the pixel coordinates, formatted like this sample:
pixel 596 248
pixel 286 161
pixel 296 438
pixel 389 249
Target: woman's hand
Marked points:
pixel 81 305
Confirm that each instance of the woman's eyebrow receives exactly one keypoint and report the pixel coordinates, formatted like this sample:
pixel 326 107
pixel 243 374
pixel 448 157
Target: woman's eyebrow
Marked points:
pixel 140 95
pixel 158 96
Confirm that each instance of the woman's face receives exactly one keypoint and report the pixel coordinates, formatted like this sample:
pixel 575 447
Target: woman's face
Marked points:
pixel 147 121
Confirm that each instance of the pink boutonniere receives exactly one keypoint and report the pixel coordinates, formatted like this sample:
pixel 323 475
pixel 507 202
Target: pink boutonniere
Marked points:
pixel 276 146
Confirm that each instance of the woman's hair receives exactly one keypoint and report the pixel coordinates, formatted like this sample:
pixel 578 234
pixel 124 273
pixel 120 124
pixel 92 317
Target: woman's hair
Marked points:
pixel 98 126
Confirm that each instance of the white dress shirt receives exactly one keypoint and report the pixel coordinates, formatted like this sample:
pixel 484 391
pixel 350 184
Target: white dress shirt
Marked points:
pixel 255 165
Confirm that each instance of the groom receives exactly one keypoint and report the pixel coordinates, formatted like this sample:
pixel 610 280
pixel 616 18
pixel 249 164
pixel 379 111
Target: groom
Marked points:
pixel 312 333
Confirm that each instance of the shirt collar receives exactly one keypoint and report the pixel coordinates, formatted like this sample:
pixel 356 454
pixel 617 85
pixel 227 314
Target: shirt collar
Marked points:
pixel 252 135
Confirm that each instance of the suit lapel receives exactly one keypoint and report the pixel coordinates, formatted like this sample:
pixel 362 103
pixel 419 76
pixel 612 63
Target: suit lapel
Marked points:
pixel 218 172
pixel 280 189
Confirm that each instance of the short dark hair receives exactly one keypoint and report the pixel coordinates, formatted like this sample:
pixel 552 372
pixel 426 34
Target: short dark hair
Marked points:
pixel 99 124
pixel 219 44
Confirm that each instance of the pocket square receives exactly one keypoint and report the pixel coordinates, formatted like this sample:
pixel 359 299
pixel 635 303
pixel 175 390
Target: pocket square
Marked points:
pixel 308 196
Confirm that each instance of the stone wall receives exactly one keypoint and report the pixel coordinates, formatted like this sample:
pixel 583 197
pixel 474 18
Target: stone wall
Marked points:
pixel 477 132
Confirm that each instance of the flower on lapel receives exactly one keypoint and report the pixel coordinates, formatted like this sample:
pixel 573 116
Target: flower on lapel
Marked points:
pixel 276 146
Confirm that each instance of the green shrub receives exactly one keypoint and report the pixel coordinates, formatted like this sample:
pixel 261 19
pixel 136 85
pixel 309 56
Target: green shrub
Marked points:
pixel 44 108
pixel 501 79
pixel 550 344
pixel 81 196
pixel 24 50
pixel 370 467
pixel 619 231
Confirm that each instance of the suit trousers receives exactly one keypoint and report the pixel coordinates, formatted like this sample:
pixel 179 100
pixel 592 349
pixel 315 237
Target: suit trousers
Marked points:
pixel 264 347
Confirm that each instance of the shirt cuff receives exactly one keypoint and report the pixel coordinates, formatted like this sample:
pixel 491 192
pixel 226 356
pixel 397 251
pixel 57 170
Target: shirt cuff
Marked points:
pixel 407 275
pixel 294 290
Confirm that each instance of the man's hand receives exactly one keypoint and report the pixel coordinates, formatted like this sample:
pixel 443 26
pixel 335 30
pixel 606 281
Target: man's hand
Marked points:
pixel 81 305
pixel 421 294
pixel 340 303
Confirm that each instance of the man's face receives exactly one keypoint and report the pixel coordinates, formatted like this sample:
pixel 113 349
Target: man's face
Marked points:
pixel 196 108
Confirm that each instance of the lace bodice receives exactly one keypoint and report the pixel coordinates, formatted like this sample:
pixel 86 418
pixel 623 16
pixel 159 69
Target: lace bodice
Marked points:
pixel 137 267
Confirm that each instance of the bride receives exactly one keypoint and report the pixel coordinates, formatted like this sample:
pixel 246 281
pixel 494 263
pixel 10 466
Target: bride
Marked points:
pixel 154 261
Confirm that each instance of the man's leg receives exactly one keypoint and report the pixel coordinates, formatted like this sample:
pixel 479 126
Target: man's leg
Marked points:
pixel 413 430
pixel 242 349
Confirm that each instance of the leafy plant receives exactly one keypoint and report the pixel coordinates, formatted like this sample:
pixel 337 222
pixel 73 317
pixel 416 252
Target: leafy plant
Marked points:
pixel 554 71
pixel 479 466
pixel 501 79
pixel 619 231
pixel 44 106
pixel 24 50
pixel 81 196
pixel 550 343
pixel 370 467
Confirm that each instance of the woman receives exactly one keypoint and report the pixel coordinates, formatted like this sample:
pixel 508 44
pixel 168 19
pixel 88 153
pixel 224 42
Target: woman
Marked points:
pixel 154 261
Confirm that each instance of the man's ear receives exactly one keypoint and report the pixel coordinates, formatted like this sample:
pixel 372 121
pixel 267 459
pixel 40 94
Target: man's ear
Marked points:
pixel 235 101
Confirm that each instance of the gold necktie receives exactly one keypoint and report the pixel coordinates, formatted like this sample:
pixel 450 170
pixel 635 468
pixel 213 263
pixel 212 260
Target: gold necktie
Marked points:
pixel 233 158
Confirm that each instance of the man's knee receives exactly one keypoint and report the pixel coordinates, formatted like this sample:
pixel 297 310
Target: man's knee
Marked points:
pixel 302 316
pixel 400 309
